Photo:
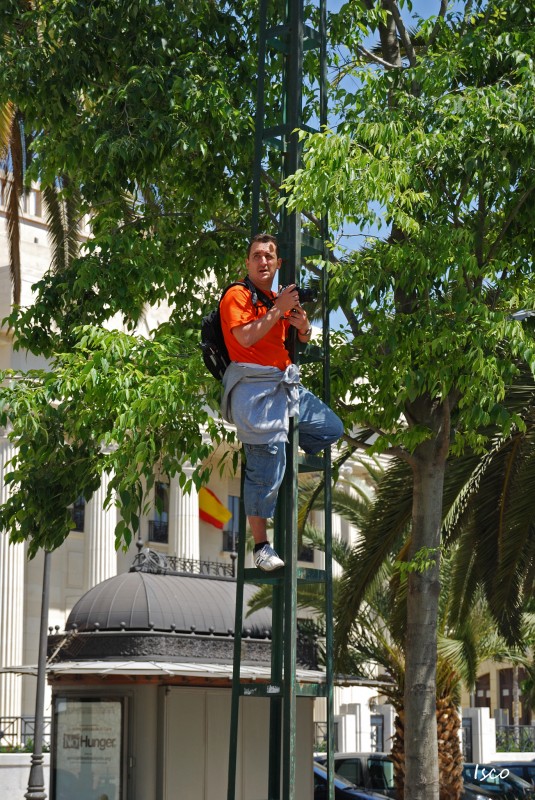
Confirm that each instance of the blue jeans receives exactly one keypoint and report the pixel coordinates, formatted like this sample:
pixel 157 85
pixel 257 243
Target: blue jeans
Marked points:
pixel 319 427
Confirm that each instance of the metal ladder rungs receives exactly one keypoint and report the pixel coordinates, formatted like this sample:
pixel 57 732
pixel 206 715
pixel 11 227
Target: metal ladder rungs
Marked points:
pixel 310 245
pixel 279 38
pixel 311 353
pixel 304 575
pixel 275 131
pixel 277 690
pixel 310 575
pixel 307 463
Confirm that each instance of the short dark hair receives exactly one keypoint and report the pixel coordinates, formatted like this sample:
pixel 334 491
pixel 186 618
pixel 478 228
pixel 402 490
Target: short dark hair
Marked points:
pixel 263 237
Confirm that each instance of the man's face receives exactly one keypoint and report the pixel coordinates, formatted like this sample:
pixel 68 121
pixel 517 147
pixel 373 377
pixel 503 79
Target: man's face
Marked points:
pixel 262 264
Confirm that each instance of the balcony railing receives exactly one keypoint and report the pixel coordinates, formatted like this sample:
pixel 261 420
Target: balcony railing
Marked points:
pixel 19 732
pixel 515 738
pixel 216 568
pixel 320 737
pixel 148 560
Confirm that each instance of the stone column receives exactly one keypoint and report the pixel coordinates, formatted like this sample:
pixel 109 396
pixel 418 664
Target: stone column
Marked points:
pixel 183 520
pixel 12 561
pixel 100 556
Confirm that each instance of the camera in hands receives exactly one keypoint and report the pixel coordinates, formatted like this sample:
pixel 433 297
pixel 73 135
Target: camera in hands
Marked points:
pixel 305 294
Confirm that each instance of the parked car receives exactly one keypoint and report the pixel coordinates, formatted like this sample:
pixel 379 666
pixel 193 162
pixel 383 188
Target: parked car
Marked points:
pixel 343 790
pixel 523 769
pixel 375 772
pixel 370 771
pixel 473 792
pixel 499 780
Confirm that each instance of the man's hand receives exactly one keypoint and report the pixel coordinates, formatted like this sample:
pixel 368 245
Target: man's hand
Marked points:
pixel 298 318
pixel 297 315
pixel 251 333
pixel 287 300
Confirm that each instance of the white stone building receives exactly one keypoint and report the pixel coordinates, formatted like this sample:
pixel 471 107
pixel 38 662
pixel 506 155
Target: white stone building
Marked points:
pixel 88 556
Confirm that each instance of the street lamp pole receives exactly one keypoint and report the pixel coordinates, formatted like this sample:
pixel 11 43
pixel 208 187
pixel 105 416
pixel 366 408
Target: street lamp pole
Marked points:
pixel 36 782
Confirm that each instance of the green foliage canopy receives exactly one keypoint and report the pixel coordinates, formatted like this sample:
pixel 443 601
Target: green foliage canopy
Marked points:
pixel 442 153
pixel 146 107
pixel 115 403
pixel 138 114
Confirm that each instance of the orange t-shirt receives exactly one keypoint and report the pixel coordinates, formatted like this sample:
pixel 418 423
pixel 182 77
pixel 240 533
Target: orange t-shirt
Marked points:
pixel 237 309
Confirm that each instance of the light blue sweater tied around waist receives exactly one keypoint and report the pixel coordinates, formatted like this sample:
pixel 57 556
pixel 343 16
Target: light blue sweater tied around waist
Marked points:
pixel 259 401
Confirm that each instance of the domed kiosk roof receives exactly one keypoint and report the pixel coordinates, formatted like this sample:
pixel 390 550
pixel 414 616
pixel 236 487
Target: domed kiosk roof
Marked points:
pixel 153 612
pixel 157 620
pixel 139 601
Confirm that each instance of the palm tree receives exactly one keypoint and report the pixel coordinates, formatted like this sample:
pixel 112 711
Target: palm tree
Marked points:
pixel 61 199
pixel 488 517
pixel 375 639
pixel 12 162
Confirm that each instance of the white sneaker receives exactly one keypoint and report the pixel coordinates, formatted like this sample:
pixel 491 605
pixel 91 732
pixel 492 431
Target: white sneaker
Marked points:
pixel 267 559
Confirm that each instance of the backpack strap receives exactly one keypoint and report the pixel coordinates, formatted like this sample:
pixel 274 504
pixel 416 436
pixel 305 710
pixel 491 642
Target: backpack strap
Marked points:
pixel 257 295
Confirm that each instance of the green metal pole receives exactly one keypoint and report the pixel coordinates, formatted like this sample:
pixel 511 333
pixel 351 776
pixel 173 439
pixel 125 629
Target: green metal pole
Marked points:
pixel 259 116
pixel 329 603
pixel 236 664
pixel 292 247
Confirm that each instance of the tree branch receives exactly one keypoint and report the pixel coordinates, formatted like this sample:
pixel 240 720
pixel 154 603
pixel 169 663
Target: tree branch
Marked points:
pixel 399 452
pixel 509 219
pixel 436 28
pixel 367 56
pixel 392 6
pixel 481 215
pixel 377 59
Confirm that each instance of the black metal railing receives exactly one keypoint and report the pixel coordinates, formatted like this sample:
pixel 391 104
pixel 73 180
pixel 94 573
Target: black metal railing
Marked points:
pixel 467 739
pixel 18 732
pixel 148 560
pixel 216 568
pixel 515 738
pixel 320 737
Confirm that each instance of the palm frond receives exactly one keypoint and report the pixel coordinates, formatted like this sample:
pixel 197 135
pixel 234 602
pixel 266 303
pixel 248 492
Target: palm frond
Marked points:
pixel 316 539
pixel 62 214
pixel 311 493
pixel 381 536
pixel 14 190
pixel 7 112
pixel 492 523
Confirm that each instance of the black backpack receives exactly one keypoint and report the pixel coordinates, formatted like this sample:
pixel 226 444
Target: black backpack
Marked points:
pixel 214 350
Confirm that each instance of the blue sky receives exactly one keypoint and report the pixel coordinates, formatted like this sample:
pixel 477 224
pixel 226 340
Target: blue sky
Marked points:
pixel 422 8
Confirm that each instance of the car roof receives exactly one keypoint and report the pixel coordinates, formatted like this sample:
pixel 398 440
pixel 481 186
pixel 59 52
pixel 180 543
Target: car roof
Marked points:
pixel 345 784
pixel 360 755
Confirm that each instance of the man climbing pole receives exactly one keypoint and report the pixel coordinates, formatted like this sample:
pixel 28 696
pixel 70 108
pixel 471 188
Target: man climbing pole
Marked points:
pixel 262 388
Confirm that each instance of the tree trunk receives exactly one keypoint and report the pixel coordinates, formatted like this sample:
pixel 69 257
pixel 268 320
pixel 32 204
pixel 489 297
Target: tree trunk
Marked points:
pixel 450 757
pixel 421 749
pixel 398 754
pixel 516 707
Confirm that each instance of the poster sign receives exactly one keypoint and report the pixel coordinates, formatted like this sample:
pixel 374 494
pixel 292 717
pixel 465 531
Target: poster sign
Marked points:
pixel 88 747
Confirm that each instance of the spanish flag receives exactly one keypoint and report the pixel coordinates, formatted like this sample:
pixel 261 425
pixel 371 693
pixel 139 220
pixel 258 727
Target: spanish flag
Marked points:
pixel 211 509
